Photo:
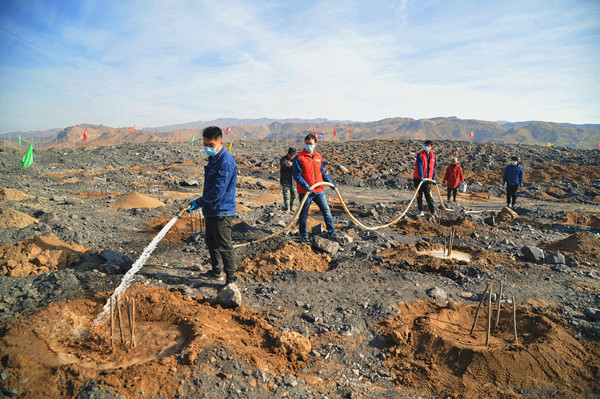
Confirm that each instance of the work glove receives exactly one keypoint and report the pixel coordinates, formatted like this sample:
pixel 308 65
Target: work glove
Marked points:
pixel 193 206
pixel 334 185
pixel 307 187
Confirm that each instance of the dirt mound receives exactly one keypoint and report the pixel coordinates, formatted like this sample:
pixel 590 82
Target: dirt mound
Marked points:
pixel 135 200
pixel 579 219
pixel 12 218
pixel 430 345
pixel 54 352
pixel 179 194
pixel 83 194
pixel 289 256
pixel 12 194
pixel 241 208
pixel 425 228
pixel 37 255
pixel 581 246
pixel 183 228
pixel 267 198
pixel 506 215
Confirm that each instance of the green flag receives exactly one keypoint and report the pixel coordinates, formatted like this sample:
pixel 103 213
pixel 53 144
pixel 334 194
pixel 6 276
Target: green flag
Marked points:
pixel 19 141
pixel 193 138
pixel 28 157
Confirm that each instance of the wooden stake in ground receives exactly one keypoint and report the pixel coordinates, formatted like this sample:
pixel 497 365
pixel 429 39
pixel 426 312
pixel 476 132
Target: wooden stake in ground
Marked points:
pixel 445 245
pixel 489 284
pixel 451 241
pixel 112 322
pixel 499 301
pixel 120 316
pixel 515 318
pixel 489 326
pixel 131 314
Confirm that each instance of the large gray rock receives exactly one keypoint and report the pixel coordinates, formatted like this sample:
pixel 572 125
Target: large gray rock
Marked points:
pixel 555 258
pixel 230 295
pixel 438 294
pixel 325 245
pixel 571 262
pixel 532 254
pixel 592 313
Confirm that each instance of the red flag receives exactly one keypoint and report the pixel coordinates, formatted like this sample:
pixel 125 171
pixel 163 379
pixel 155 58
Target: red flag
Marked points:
pixel 228 130
pixel 598 144
pixel 349 132
pixel 471 134
pixel 85 135
pixel 133 129
pixel 333 132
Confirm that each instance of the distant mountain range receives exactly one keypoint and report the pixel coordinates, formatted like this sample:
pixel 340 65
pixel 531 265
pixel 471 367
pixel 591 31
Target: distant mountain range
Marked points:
pixel 443 128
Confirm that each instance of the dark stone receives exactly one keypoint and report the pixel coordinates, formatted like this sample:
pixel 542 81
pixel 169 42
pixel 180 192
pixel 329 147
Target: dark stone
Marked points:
pixel 532 254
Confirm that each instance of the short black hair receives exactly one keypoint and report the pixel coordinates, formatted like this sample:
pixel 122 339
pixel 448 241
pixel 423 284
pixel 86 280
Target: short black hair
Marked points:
pixel 428 142
pixel 515 158
pixel 212 132
pixel 291 151
pixel 311 136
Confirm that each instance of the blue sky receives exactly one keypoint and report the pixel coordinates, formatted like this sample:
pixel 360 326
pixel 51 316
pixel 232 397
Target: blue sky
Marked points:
pixel 155 63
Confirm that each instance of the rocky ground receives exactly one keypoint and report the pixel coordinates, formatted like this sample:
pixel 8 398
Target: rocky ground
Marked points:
pixel 373 315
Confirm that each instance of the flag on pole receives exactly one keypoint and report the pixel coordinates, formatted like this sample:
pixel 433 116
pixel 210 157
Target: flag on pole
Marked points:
pixel 334 132
pixel 85 135
pixel 315 129
pixel 228 130
pixel 411 135
pixel 133 129
pixel 349 132
pixel 229 148
pixel 471 134
pixel 598 144
pixel 193 138
pixel 19 141
pixel 28 157
pixel 549 145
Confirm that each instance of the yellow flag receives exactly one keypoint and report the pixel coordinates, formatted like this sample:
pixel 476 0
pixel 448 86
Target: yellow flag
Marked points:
pixel 229 148
pixel 549 145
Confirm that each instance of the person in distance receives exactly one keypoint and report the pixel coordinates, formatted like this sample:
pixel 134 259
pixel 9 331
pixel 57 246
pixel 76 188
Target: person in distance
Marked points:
pixel 513 177
pixel 453 177
pixel 286 180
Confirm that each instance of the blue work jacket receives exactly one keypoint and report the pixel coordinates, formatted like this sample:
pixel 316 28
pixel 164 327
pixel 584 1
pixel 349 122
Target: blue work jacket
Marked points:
pixel 513 175
pixel 220 179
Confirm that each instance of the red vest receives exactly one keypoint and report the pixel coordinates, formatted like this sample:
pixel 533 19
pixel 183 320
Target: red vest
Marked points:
pixel 426 166
pixel 311 170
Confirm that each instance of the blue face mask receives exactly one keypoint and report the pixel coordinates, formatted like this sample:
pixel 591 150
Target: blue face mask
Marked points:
pixel 210 151
pixel 309 148
pixel 427 148
pixel 514 163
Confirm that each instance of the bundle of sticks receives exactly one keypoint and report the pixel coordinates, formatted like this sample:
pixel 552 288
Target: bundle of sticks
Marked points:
pixel 116 319
pixel 488 291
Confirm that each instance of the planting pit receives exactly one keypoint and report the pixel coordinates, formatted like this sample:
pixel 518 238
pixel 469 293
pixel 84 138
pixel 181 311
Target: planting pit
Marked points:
pixel 430 345
pixel 54 352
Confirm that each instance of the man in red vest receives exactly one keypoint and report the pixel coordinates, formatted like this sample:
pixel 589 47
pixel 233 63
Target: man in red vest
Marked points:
pixel 425 169
pixel 307 169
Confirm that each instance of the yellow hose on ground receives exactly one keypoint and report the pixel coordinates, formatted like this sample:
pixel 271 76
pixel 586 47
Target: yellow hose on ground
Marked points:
pixel 365 227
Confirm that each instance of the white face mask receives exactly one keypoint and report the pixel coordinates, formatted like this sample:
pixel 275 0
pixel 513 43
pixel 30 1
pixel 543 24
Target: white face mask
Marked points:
pixel 514 163
pixel 309 148
pixel 427 148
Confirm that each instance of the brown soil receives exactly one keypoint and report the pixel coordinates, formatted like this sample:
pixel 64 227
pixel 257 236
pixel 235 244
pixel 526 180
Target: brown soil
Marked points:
pixel 56 175
pixel 430 345
pixel 547 172
pixel 135 200
pixel 579 219
pixel 11 194
pixel 12 218
pixel 581 246
pixel 506 215
pixel 57 349
pixel 179 194
pixel 241 208
pixel 146 184
pixel 266 198
pixel 426 228
pixel 414 258
pixel 37 255
pixel 181 230
pixel 289 256
pixel 83 194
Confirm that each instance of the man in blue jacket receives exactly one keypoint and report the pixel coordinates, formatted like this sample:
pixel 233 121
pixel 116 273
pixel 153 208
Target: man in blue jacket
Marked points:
pixel 218 204
pixel 513 177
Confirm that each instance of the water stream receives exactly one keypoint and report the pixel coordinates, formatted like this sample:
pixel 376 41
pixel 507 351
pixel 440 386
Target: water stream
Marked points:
pixel 128 277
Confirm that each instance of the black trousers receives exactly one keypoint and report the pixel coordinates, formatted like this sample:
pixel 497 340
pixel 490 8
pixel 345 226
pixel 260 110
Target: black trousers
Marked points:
pixel 511 193
pixel 220 247
pixel 425 189
pixel 453 192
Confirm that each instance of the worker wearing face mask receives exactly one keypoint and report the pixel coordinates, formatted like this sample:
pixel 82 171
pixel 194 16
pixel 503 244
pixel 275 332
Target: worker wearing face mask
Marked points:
pixel 513 177
pixel 425 169
pixel 307 169
pixel 218 204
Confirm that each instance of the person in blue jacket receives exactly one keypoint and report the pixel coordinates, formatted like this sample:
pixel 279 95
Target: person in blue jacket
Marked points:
pixel 218 204
pixel 513 177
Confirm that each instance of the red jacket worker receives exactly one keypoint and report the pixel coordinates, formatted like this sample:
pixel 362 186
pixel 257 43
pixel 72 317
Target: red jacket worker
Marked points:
pixel 453 177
